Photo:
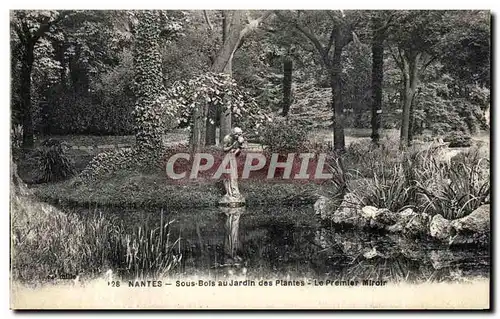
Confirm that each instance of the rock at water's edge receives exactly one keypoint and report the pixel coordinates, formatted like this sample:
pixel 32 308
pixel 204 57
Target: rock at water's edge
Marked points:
pixel 440 227
pixel 473 228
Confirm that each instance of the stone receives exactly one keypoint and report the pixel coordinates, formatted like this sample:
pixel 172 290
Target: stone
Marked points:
pixel 107 146
pixel 371 253
pixel 369 211
pixel 320 206
pixel 442 258
pixel 350 212
pixel 440 227
pixel 383 219
pixel 410 223
pixel 418 225
pixel 473 228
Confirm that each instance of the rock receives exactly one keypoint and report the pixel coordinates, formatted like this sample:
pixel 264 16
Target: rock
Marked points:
pixel 418 225
pixel 371 253
pixel 383 219
pixel 369 211
pixel 350 212
pixel 474 228
pixel 410 223
pixel 440 227
pixel 320 206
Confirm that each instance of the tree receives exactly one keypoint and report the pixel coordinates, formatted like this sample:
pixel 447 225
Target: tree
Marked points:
pixel 235 32
pixel 332 29
pixel 416 40
pixel 149 82
pixel 380 22
pixel 29 27
pixel 287 84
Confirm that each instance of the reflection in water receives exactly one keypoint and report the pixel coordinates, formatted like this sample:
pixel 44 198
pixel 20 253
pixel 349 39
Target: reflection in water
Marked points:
pixel 288 242
pixel 232 240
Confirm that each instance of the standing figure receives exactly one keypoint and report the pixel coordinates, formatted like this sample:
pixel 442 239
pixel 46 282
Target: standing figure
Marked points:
pixel 232 144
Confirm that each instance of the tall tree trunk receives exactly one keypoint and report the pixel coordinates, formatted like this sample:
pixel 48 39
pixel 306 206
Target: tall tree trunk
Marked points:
pixel 236 31
pixel 412 125
pixel 198 136
pixel 377 78
pixel 287 84
pixel 225 113
pixel 410 78
pixel 149 87
pixel 232 27
pixel 337 103
pixel 25 91
pixel 211 124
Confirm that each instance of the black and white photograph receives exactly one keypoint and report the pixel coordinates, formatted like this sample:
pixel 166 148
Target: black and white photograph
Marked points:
pixel 250 159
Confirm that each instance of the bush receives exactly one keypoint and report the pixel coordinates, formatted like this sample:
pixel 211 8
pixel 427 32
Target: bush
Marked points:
pixel 53 162
pixel 458 139
pixel 284 136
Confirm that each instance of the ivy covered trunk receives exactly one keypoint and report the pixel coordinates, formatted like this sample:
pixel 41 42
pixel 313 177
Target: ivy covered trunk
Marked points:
pixel 149 83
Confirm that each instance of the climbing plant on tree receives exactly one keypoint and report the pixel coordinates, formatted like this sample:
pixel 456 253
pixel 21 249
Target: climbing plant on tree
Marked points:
pixel 152 108
pixel 148 83
pixel 216 90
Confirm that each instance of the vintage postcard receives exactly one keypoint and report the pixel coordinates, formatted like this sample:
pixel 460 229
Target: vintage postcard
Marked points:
pixel 250 159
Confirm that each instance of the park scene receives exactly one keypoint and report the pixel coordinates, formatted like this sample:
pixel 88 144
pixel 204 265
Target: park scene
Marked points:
pixel 358 145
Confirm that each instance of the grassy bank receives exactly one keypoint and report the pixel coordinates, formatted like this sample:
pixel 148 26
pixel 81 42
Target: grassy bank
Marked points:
pixel 139 189
pixel 48 244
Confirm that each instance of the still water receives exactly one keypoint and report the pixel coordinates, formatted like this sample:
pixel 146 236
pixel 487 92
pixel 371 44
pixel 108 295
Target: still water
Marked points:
pixel 291 243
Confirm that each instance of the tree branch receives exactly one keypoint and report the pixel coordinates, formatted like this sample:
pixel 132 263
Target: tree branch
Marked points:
pixel 254 24
pixel 207 20
pixel 387 24
pixel 45 26
pixel 330 41
pixel 398 62
pixel 426 64
pixel 314 40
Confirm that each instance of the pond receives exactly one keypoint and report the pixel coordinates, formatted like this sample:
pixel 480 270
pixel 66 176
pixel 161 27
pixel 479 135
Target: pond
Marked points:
pixel 291 243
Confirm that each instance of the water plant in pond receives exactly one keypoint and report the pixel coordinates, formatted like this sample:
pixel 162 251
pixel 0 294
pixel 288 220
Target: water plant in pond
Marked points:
pixel 49 244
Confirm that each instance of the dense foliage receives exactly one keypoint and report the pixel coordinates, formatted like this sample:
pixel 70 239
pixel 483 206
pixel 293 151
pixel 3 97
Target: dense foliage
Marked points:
pixel 83 79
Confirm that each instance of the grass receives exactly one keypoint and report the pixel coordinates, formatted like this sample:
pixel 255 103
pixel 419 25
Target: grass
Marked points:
pixel 175 136
pixel 135 188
